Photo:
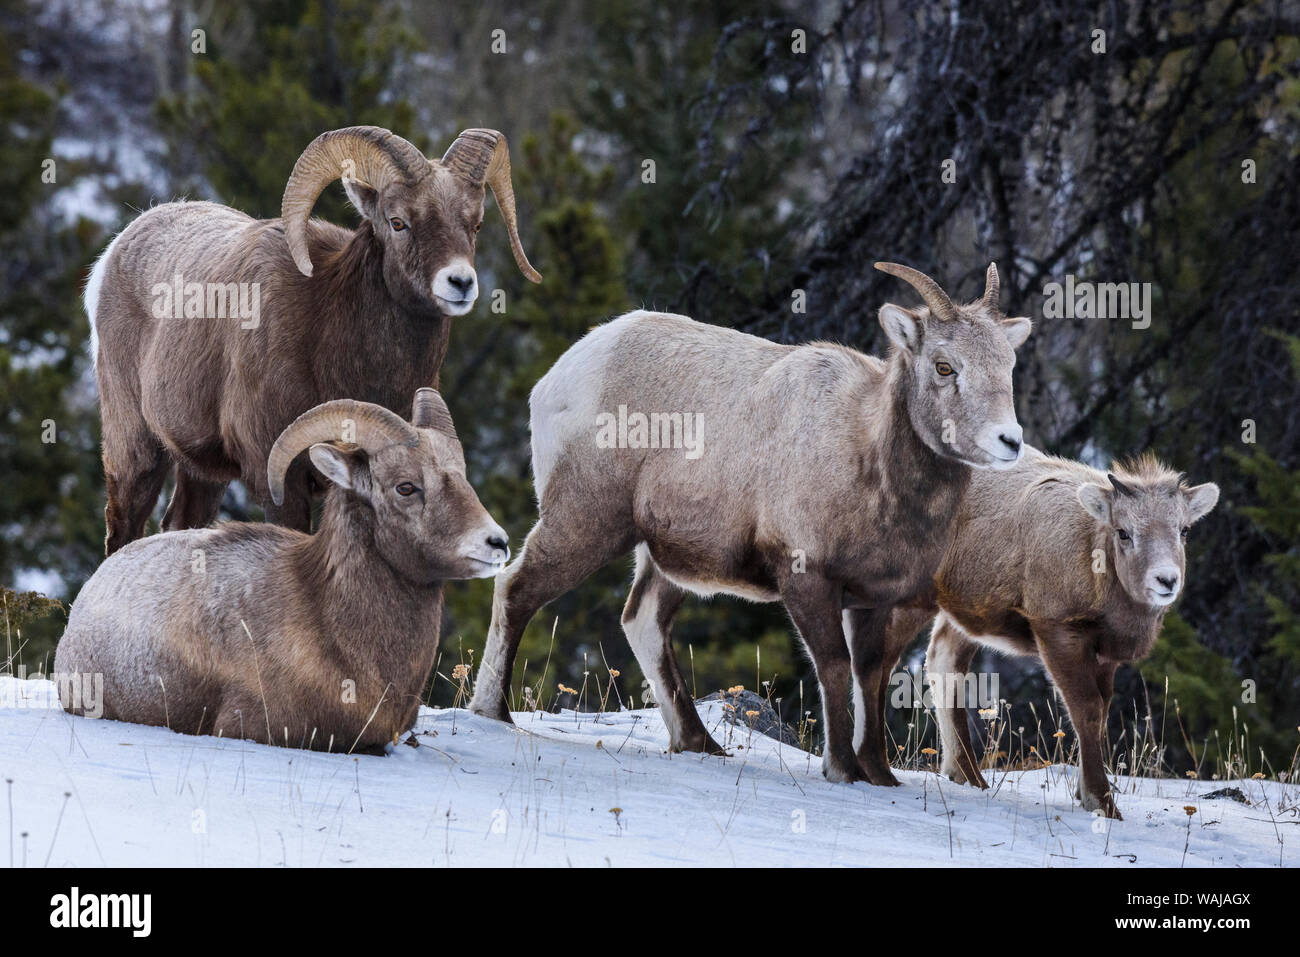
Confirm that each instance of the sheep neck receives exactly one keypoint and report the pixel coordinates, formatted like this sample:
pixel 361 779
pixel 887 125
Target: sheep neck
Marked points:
pixel 373 612
pixel 399 334
pixel 924 473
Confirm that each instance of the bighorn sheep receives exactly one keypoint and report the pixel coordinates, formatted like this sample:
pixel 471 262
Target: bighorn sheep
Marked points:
pixel 215 329
pixel 1055 559
pixel 257 631
pixel 817 476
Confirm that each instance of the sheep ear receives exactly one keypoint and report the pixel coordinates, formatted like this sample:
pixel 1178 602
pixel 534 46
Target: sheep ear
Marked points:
pixel 362 196
pixel 341 468
pixel 902 326
pixel 1016 330
pixel 1200 500
pixel 1095 501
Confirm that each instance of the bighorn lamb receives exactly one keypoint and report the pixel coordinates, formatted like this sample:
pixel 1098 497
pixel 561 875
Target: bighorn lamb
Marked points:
pixel 1055 559
pixel 817 476
pixel 322 641
pixel 327 313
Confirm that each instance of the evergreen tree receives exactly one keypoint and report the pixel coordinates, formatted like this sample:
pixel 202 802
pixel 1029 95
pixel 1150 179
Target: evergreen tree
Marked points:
pixel 274 76
pixel 49 437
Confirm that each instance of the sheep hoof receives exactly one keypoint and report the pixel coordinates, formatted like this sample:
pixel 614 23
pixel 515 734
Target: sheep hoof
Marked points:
pixel 712 747
pixel 840 775
pixel 700 745
pixel 961 775
pixel 498 713
pixel 1108 808
pixel 881 779
pixel 1105 805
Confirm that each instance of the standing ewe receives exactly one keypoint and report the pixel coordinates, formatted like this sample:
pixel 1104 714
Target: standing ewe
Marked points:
pixel 262 632
pixel 1058 560
pixel 815 475
pixel 215 330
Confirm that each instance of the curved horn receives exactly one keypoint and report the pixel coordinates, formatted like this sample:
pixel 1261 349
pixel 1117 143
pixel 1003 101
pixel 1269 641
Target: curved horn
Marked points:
pixel 940 305
pixel 370 426
pixel 482 156
pixel 991 288
pixel 370 154
pixel 1119 486
pixel 429 411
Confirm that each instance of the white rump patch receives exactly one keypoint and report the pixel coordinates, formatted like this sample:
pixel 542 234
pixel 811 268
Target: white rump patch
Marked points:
pixel 90 297
pixel 565 402
pixel 95 284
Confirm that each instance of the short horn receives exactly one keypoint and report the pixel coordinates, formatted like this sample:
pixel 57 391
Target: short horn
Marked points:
pixel 1119 486
pixel 940 305
pixel 369 154
pixel 370 426
pixel 429 411
pixel 483 156
pixel 991 288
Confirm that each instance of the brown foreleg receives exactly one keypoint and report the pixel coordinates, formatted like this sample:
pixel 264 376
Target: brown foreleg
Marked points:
pixel 1082 680
pixel 550 563
pixel 873 647
pixel 814 605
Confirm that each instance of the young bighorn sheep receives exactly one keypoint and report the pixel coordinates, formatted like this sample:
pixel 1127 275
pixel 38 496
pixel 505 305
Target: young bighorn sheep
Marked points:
pixel 1055 559
pixel 817 476
pixel 327 313
pixel 321 641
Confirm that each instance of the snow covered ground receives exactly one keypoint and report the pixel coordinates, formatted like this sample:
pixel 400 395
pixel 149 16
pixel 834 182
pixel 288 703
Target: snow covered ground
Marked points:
pixel 570 789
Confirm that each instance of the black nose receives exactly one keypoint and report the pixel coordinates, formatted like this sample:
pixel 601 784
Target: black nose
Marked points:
pixel 1169 581
pixel 497 542
pixel 1012 444
pixel 462 284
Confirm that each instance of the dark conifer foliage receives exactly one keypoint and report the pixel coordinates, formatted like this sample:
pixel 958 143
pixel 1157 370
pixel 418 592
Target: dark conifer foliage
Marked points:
pixel 744 163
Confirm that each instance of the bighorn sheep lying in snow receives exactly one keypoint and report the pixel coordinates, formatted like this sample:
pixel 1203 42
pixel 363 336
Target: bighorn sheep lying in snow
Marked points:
pixel 823 478
pixel 326 312
pixel 1055 559
pixel 262 632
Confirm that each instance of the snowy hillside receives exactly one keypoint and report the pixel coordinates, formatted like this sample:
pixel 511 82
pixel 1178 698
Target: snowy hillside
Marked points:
pixel 570 789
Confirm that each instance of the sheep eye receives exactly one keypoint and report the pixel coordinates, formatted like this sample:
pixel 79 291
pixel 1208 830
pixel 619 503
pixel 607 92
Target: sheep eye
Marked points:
pixel 1123 535
pixel 406 488
pixel 943 368
pixel 398 225
pixel 478 226
pixel 1183 531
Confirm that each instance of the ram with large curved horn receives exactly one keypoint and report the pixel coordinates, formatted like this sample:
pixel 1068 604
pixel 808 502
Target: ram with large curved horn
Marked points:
pixel 369 426
pixel 482 156
pixel 429 411
pixel 335 312
pixel 260 644
pixel 369 154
